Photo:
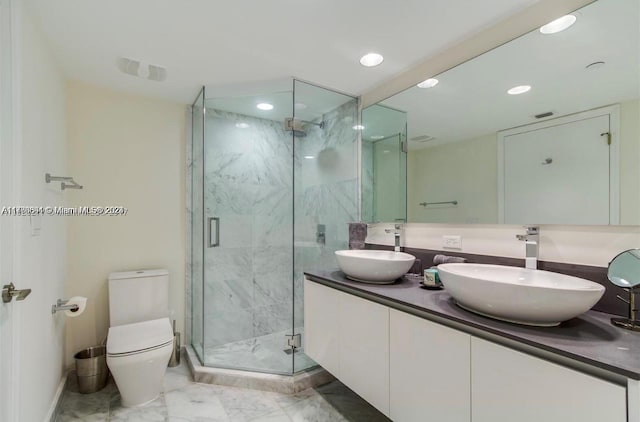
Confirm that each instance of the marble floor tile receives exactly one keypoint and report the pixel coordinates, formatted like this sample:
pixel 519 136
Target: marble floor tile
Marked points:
pixel 177 377
pixel 196 400
pixel 275 416
pixel 156 411
pixel 186 401
pixel 247 405
pixel 314 409
pixel 85 407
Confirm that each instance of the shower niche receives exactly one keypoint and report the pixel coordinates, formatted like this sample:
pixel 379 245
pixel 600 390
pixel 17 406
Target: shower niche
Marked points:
pixel 273 184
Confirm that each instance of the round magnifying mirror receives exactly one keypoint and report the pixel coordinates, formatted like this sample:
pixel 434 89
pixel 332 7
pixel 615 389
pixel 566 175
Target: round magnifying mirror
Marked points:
pixel 624 269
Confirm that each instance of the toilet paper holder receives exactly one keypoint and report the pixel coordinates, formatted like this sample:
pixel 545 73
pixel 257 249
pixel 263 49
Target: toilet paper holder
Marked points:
pixel 61 305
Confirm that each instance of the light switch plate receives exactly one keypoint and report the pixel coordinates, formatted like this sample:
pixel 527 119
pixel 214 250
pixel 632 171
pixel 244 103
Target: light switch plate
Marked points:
pixel 452 242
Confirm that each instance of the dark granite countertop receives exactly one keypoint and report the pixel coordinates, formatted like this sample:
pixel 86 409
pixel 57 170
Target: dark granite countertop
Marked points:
pixel 589 338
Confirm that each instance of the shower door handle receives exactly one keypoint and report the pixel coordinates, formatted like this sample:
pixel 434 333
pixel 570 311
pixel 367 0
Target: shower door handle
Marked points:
pixel 213 223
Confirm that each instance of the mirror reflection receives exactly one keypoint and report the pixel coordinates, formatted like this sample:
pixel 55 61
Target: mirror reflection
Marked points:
pixel 542 130
pixel 624 269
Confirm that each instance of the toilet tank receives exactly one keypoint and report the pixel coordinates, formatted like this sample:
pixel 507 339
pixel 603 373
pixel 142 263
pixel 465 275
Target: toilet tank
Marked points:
pixel 136 296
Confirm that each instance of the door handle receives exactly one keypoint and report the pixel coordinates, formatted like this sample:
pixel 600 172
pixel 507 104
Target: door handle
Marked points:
pixel 9 291
pixel 214 240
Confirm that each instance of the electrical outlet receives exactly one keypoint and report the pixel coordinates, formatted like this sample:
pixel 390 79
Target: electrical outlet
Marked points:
pixel 452 242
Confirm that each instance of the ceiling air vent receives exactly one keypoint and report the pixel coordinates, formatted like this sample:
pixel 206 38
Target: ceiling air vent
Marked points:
pixel 137 68
pixel 422 138
pixel 543 115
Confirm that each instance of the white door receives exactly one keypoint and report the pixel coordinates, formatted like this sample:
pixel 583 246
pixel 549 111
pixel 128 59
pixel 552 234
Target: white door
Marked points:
pixel 559 172
pixel 7 374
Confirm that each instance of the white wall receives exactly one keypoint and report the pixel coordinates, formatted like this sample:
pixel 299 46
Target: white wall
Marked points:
pixel 127 151
pixel 585 245
pixel 41 259
pixel 464 171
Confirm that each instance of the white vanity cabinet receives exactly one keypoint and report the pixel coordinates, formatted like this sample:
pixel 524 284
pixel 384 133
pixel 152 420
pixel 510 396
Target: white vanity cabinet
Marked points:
pixel 364 349
pixel 349 337
pixel 507 385
pixel 414 369
pixel 429 371
pixel 321 322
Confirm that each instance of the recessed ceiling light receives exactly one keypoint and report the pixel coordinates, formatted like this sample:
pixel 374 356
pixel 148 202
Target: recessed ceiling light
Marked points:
pixel 376 137
pixel 521 89
pixel 371 59
pixel 558 25
pixel 358 127
pixel 265 106
pixel 309 157
pixel 429 83
pixel 242 125
pixel 386 151
pixel 300 106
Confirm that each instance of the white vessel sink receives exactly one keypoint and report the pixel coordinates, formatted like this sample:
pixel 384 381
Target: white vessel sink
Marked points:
pixel 380 267
pixel 523 296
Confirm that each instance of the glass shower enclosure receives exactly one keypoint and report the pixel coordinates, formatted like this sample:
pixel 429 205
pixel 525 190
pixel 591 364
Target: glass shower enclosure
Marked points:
pixel 384 164
pixel 274 183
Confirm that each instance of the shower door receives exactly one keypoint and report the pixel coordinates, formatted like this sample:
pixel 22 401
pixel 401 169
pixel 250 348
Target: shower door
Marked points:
pixel 248 245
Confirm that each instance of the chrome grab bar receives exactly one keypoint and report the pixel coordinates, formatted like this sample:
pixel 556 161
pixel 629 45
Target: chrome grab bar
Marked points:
pixel 424 204
pixel 67 182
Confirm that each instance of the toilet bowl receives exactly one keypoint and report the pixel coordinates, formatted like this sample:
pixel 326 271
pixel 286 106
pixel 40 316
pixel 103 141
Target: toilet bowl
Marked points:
pixel 137 355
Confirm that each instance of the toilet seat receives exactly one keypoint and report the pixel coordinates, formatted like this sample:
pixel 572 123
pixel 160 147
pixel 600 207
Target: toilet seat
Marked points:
pixel 139 337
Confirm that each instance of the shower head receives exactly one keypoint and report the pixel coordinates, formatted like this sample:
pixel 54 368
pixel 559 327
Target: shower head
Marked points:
pixel 292 124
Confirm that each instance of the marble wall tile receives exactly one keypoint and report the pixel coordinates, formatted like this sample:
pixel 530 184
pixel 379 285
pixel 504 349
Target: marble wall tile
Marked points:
pixel 228 263
pixel 273 318
pixel 227 325
pixel 228 293
pixel 270 287
pixel 228 198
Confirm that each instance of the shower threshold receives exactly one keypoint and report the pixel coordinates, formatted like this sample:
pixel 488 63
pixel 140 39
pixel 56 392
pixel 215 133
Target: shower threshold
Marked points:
pixel 261 354
pixel 286 384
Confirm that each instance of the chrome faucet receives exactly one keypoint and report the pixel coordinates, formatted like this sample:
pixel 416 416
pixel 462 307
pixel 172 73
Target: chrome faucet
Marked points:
pixel 531 240
pixel 396 235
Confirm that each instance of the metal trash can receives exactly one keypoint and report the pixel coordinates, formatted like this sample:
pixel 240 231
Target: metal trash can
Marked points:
pixel 174 360
pixel 91 369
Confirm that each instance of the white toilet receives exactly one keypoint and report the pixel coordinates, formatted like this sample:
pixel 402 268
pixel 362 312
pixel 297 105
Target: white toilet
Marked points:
pixel 140 339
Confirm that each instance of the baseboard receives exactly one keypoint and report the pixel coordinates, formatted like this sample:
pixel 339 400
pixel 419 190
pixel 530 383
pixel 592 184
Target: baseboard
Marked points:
pixel 57 399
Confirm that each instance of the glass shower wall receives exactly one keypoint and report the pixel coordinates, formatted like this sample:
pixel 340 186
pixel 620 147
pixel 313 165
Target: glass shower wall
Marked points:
pixel 256 183
pixel 384 164
pixel 389 179
pixel 196 211
pixel 325 185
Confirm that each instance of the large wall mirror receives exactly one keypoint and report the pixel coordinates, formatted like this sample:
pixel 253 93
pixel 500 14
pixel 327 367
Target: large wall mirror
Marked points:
pixel 542 130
